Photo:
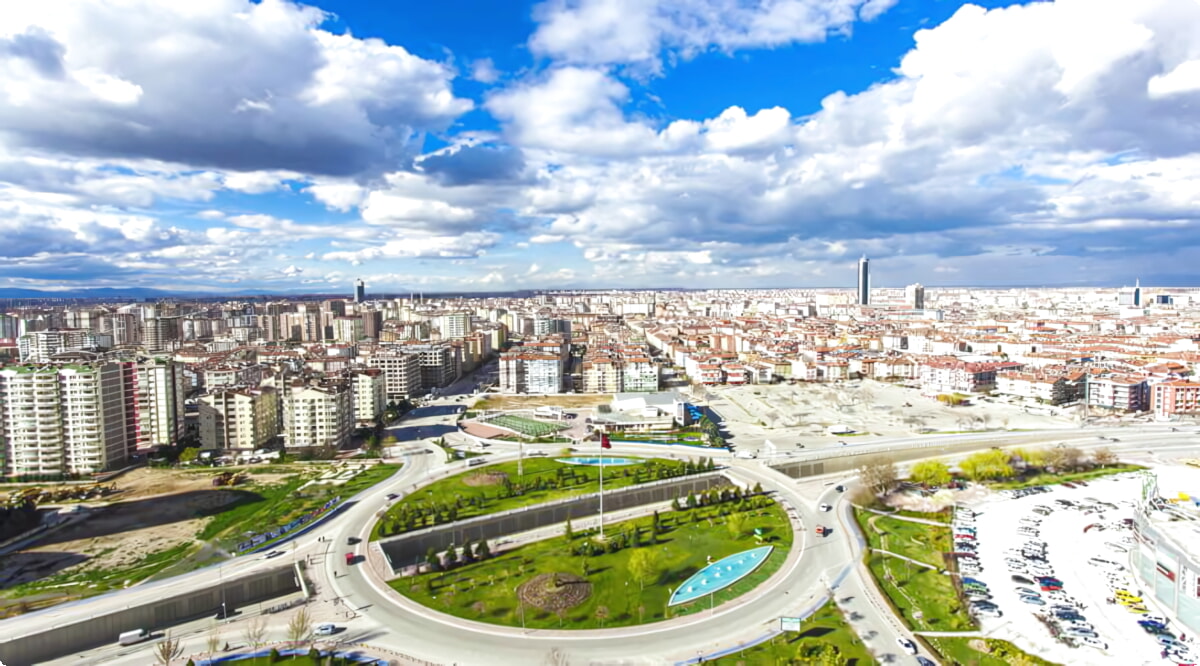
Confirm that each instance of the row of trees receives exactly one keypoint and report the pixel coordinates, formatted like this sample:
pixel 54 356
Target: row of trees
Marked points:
pixel 880 476
pixel 468 553
pixel 408 516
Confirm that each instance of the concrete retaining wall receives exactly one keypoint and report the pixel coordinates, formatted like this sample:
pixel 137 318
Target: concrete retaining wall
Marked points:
pixel 849 460
pixel 408 549
pixel 55 641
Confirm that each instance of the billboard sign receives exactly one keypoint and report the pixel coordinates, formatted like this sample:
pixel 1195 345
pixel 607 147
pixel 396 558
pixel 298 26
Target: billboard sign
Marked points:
pixel 789 624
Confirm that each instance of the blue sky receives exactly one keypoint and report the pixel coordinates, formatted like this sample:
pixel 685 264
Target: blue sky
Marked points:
pixel 469 145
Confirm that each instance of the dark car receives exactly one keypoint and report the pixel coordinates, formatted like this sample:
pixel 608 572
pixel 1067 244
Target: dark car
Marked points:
pixel 1024 580
pixel 350 541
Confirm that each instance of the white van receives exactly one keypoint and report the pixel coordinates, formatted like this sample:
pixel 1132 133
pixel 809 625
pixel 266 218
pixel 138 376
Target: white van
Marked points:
pixel 131 637
pixel 326 629
pixel 744 454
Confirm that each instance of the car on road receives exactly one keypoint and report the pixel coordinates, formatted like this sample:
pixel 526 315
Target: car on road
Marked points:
pixel 326 629
pixel 907 645
pixel 273 554
pixel 350 541
pixel 393 496
pixel 825 507
pixel 923 661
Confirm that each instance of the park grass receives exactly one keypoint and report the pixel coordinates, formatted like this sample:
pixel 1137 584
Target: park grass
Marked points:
pixel 258 509
pixel 486 591
pixel 911 589
pixel 824 634
pixel 1003 653
pixel 918 541
pixel 582 479
pixel 944 516
pixel 1049 479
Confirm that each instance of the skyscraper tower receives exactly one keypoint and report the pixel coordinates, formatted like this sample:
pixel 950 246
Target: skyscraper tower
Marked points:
pixel 864 281
pixel 1137 293
pixel 360 292
pixel 914 296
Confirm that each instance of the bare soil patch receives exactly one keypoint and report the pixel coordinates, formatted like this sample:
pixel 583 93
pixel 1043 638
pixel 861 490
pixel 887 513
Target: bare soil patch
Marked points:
pixel 490 478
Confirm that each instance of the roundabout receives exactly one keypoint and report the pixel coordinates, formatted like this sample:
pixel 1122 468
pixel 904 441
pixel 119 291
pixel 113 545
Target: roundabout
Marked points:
pixel 358 596
pixel 571 579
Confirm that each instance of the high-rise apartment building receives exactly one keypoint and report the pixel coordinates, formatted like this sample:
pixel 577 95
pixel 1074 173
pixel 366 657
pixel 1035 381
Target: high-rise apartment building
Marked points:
pixel 40 346
pixel 914 296
pixel 531 371
pixel 455 325
pixel 242 418
pixel 864 281
pixel 348 329
pixel 159 390
pixel 370 395
pixel 68 419
pixel 401 372
pixel 317 414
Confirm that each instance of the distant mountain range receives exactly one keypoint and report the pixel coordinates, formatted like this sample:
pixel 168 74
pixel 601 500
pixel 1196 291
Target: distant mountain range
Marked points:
pixel 118 293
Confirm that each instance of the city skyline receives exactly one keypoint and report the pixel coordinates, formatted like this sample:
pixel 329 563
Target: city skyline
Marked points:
pixel 460 148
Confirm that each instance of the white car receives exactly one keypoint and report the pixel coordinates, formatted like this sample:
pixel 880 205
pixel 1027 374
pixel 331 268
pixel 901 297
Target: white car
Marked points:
pixel 274 553
pixel 907 645
pixel 826 507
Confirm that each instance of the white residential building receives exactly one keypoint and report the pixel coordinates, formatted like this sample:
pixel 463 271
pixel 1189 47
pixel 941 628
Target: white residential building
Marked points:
pixel 160 390
pixel 40 346
pixel 317 414
pixel 370 396
pixel 401 372
pixel 241 418
pixel 68 419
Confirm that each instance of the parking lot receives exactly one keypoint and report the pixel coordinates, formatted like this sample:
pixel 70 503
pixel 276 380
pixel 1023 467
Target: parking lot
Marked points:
pixel 1050 572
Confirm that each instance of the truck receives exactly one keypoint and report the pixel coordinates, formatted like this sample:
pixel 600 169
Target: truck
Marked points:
pixel 131 637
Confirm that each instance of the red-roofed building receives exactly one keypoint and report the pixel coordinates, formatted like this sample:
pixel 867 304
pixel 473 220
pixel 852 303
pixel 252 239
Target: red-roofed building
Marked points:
pixel 1176 397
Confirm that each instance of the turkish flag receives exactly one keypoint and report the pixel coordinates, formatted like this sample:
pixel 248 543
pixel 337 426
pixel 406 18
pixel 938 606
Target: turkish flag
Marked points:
pixel 604 443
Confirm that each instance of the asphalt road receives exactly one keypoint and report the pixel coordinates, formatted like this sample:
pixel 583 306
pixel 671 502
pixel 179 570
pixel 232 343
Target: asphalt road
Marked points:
pixel 384 620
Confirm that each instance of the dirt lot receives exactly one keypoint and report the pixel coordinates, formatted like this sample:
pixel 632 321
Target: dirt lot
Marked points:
pixel 533 401
pixel 153 511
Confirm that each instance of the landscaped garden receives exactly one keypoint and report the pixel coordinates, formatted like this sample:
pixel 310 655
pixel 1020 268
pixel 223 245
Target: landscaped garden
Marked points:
pixel 918 541
pixel 500 487
pixel 824 638
pixel 579 582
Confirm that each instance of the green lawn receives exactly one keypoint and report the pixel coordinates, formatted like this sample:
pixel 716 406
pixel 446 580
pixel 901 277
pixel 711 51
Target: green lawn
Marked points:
pixel 824 635
pixel 911 588
pixel 921 542
pixel 259 508
pixel 1002 653
pixel 914 590
pixel 1048 479
pixel 543 480
pixel 485 591
pixel 944 516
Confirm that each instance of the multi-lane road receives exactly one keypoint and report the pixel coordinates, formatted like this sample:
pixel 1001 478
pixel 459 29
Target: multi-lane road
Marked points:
pixel 357 599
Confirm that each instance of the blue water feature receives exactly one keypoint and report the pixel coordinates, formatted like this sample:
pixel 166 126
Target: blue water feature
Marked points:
pixel 720 574
pixel 595 460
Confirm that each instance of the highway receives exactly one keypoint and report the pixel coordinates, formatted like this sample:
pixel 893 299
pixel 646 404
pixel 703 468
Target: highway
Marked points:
pixel 385 620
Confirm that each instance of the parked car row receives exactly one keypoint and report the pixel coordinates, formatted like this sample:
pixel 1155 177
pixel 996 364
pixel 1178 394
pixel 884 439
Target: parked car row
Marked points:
pixel 1024 492
pixel 966 542
pixel 1123 590
pixel 1037 586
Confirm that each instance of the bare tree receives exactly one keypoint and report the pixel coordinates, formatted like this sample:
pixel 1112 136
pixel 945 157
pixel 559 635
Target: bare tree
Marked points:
pixel 255 631
pixel 213 641
pixel 300 626
pixel 878 474
pixel 1104 457
pixel 602 614
pixel 168 650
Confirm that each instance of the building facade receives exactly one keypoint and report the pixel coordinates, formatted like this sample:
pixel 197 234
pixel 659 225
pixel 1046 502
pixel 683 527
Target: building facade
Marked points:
pixel 239 418
pixel 65 419
pixel 317 414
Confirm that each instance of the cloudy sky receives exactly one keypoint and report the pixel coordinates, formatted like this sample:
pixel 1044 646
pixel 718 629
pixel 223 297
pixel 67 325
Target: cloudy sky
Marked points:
pixel 456 146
